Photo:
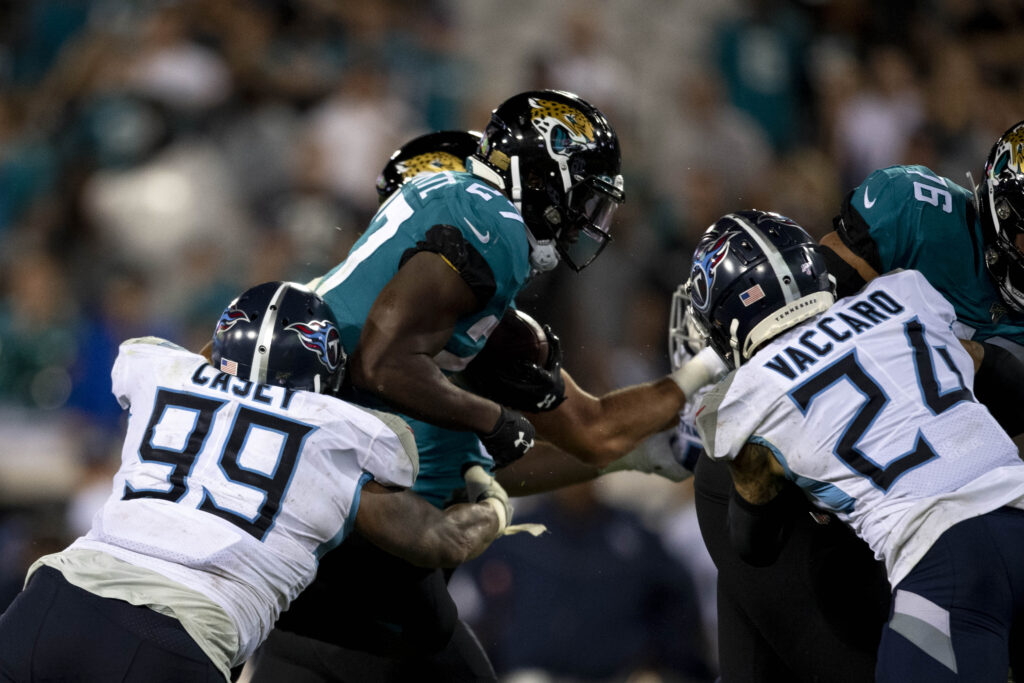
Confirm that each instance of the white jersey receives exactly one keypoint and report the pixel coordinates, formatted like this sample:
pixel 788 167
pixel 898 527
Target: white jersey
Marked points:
pixel 868 408
pixel 235 489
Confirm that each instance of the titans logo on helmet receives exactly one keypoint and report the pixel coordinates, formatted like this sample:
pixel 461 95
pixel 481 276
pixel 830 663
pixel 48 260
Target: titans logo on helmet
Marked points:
pixel 229 318
pixel 322 338
pixel 702 276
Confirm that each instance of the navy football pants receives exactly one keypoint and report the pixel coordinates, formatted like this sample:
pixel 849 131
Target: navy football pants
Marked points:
pixel 55 631
pixel 952 616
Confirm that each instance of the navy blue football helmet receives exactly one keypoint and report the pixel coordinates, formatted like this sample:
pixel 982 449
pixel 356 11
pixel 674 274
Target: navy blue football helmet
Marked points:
pixel 444 150
pixel 754 275
pixel 556 157
pixel 280 333
pixel 1000 198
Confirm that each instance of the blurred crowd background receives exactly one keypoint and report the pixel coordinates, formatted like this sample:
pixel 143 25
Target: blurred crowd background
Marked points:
pixel 156 158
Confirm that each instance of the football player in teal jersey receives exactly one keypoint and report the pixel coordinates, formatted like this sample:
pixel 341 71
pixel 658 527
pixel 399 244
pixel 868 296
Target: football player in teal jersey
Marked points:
pixel 967 243
pixel 447 253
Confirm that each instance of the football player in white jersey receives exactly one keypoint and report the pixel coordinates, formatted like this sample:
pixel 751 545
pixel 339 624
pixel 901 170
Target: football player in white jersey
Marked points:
pixel 865 404
pixel 236 477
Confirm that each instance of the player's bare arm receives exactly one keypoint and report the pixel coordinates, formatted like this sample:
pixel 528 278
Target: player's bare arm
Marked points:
pixel 410 322
pixel 545 468
pixel 757 475
pixel 407 526
pixel 598 430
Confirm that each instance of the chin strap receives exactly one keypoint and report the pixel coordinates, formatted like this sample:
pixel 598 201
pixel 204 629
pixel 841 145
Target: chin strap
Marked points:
pixel 543 254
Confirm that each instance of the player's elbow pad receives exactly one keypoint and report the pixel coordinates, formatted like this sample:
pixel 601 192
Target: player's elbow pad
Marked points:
pixel 758 532
pixel 999 385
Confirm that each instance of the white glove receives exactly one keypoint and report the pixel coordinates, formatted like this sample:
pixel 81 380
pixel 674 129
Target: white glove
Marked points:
pixel 481 487
pixel 705 368
pixel 653 456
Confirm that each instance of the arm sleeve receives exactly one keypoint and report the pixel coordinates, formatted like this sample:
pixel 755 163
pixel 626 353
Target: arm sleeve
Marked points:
pixel 999 385
pixel 848 280
pixel 449 243
pixel 855 233
pixel 759 532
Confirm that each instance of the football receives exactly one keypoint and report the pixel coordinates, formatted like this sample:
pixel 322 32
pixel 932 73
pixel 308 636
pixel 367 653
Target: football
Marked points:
pixel 517 337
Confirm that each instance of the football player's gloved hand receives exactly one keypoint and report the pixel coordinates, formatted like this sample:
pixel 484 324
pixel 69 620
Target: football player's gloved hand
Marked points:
pixel 653 456
pixel 705 368
pixel 481 487
pixel 510 439
pixel 522 384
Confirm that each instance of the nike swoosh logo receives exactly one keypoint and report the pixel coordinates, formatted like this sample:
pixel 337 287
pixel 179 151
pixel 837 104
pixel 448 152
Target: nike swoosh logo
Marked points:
pixel 868 202
pixel 485 238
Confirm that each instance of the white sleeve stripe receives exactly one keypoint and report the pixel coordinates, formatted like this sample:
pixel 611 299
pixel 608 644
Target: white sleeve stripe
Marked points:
pixel 397 212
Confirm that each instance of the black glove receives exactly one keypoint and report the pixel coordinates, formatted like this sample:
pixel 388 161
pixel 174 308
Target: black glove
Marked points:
pixel 519 383
pixel 511 437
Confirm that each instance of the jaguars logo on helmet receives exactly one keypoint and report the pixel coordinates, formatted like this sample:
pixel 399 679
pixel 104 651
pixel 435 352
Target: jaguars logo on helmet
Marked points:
pixel 1000 199
pixel 557 159
pixel 444 150
pixel 564 128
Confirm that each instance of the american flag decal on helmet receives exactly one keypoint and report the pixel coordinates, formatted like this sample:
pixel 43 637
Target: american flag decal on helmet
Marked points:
pixel 751 295
pixel 323 338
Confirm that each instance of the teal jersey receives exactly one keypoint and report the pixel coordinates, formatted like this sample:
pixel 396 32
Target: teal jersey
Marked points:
pixel 921 221
pixel 478 231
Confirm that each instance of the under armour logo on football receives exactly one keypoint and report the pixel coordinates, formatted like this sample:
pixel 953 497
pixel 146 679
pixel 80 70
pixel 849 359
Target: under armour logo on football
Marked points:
pixel 547 402
pixel 521 442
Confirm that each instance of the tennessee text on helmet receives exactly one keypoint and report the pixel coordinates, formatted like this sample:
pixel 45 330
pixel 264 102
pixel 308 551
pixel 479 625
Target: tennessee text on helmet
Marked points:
pixel 444 150
pixel 280 333
pixel 1000 198
pixel 754 275
pixel 557 159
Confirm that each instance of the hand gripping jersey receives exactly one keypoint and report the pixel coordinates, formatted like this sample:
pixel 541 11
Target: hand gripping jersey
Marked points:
pixel 482 236
pixel 868 408
pixel 235 489
pixel 909 217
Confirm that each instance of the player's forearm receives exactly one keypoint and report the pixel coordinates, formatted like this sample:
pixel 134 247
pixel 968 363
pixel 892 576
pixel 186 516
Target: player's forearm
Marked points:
pixel 461 533
pixel 413 384
pixel 545 468
pixel 600 430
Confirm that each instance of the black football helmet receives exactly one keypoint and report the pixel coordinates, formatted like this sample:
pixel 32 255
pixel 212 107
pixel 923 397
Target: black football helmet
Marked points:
pixel 444 150
pixel 280 333
pixel 1000 198
pixel 754 275
pixel 557 158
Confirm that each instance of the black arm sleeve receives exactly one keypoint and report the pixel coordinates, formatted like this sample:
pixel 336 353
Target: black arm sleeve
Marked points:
pixel 999 385
pixel 848 280
pixel 758 532
pixel 450 244
pixel 854 232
